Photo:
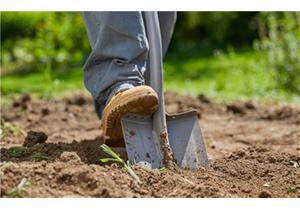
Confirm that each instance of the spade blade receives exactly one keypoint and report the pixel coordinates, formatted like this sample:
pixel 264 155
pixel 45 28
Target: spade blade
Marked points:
pixel 141 146
pixel 186 140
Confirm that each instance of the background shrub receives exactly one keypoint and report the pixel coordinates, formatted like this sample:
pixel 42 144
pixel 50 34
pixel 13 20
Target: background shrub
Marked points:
pixel 43 41
pixel 280 39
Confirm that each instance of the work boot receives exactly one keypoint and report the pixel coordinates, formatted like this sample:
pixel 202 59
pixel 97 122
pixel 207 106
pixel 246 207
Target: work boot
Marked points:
pixel 141 100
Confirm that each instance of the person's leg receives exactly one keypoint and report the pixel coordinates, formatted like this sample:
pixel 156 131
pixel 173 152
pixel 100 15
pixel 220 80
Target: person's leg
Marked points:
pixel 167 22
pixel 119 53
pixel 117 64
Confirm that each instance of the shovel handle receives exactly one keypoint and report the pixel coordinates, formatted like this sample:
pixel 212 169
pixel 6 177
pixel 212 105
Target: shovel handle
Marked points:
pixel 160 134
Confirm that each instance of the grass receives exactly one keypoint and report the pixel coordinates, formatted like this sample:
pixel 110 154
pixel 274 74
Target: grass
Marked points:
pixel 163 170
pixel 38 84
pixel 292 189
pixel 224 76
pixel 39 156
pixel 19 191
pixel 6 126
pixel 114 157
pixel 17 152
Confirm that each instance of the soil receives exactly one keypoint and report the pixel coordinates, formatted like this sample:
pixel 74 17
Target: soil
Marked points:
pixel 253 149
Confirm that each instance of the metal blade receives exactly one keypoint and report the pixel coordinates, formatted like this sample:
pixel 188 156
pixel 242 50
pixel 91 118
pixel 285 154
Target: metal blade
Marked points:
pixel 140 145
pixel 186 140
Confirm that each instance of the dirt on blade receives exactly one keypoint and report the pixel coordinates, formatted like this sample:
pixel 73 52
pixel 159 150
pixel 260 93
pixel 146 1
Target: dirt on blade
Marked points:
pixel 253 148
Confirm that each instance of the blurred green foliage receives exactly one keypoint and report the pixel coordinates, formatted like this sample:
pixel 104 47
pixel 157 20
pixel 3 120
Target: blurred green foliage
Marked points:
pixel 216 29
pixel 16 25
pixel 42 41
pixel 213 50
pixel 34 41
pixel 280 39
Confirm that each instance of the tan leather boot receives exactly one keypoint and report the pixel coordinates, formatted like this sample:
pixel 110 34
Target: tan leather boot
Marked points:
pixel 141 100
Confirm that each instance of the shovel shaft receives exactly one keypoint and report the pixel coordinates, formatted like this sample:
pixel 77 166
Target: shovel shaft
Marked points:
pixel 160 135
pixel 155 53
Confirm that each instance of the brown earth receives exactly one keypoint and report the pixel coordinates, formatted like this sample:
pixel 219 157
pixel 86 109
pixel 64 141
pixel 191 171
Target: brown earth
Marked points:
pixel 253 148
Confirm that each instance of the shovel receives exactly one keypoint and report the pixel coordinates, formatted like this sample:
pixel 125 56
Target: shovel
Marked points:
pixel 161 139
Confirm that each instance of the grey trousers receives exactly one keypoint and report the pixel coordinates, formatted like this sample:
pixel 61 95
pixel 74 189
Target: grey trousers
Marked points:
pixel 119 55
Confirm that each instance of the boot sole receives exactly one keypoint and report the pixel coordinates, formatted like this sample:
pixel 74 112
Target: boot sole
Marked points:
pixel 141 100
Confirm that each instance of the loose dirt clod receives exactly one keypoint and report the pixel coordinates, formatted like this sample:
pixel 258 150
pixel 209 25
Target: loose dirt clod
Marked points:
pixel 45 111
pixel 282 113
pixel 70 157
pixel 265 194
pixel 204 98
pixel 250 105
pixel 236 109
pixel 78 100
pixel 34 137
pixel 22 101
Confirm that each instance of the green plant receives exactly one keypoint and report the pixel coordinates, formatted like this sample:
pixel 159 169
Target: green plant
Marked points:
pixel 116 158
pixel 163 170
pixel 7 164
pixel 15 25
pixel 17 152
pixel 215 29
pixel 19 191
pixel 280 39
pixel 55 41
pixel 39 156
pixel 4 165
pixel 292 189
pixel 10 127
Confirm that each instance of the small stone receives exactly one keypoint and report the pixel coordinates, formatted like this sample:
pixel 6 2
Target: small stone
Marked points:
pixel 267 185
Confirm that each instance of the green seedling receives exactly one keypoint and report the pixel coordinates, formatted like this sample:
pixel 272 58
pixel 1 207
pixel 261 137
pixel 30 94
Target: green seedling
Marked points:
pixel 11 127
pixel 3 166
pixel 116 158
pixel 7 164
pixel 292 189
pixel 17 152
pixel 39 156
pixel 19 191
pixel 294 163
pixel 163 170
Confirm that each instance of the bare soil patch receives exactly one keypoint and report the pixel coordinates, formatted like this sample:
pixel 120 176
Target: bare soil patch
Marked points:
pixel 253 148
